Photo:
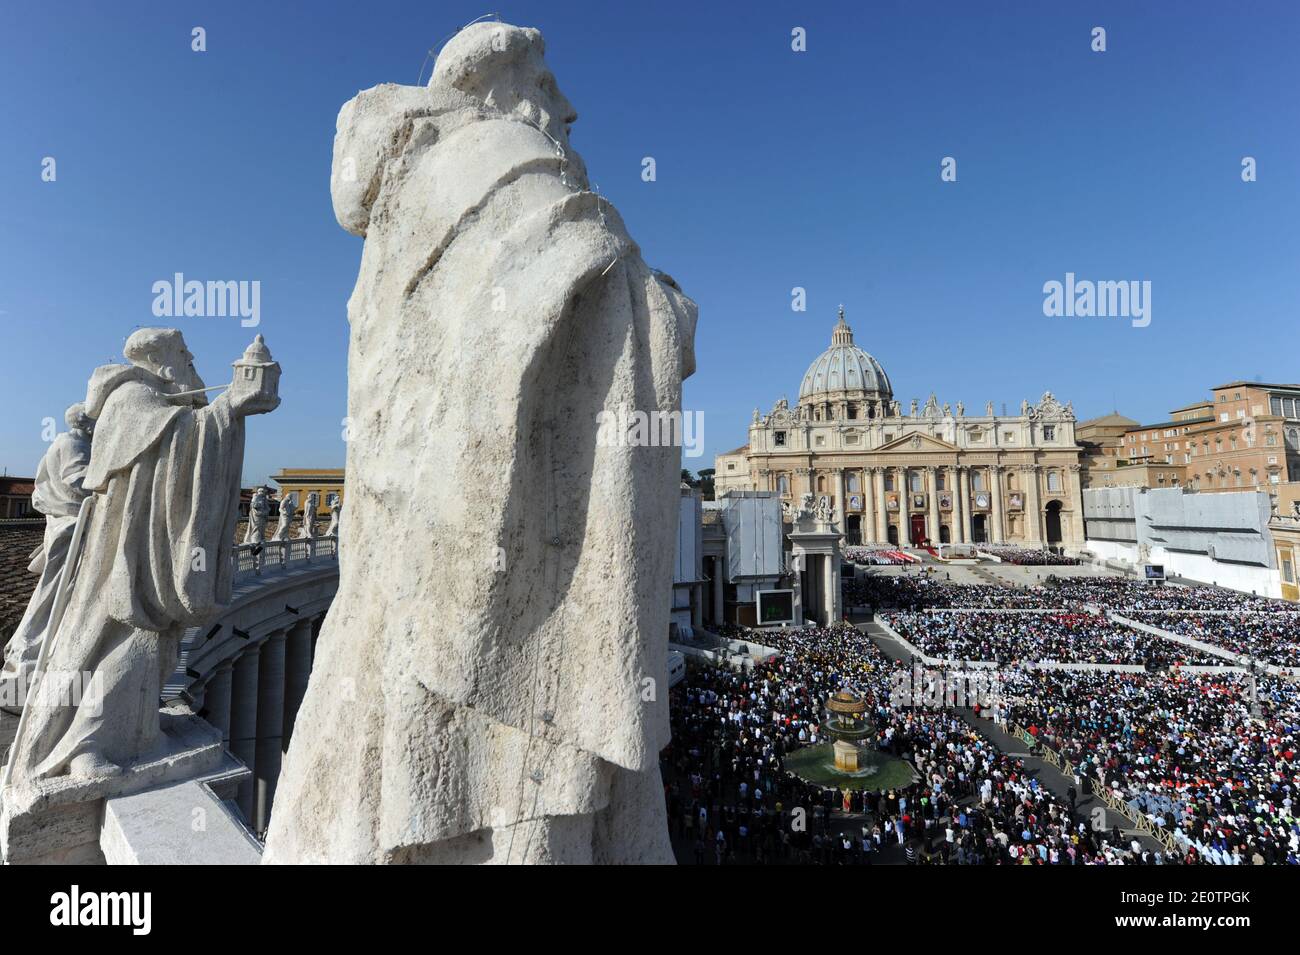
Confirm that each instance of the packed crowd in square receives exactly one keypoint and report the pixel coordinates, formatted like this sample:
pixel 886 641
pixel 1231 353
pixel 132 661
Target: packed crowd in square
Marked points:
pixel 1207 758
pixel 1010 638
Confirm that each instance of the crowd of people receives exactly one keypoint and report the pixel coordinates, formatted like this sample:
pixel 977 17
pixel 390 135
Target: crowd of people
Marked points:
pixel 1125 593
pixel 1010 638
pixel 877 556
pixel 1195 754
pixel 1270 637
pixel 1029 557
pixel 929 589
pixel 730 800
pixel 1208 758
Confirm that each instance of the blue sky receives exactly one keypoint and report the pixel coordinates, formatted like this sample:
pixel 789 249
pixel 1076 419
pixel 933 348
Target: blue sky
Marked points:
pixel 775 169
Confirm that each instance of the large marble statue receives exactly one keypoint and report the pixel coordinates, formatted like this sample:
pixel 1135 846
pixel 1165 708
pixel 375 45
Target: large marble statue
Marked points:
pixel 156 555
pixel 258 508
pixel 490 684
pixel 58 496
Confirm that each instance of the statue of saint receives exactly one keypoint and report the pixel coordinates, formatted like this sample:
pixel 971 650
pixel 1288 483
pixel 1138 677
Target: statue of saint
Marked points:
pixel 335 510
pixel 258 508
pixel 288 507
pixel 58 496
pixel 309 517
pixel 508 715
pixel 156 556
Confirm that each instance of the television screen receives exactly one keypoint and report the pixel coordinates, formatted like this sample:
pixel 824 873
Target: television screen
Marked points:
pixel 775 606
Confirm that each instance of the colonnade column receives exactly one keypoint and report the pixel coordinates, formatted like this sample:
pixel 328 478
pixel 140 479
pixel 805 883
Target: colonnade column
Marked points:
pixel 270 726
pixel 995 475
pixel 216 700
pixel 243 723
pixel 297 670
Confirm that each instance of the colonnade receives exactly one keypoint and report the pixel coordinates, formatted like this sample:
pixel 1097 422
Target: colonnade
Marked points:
pixel 253 697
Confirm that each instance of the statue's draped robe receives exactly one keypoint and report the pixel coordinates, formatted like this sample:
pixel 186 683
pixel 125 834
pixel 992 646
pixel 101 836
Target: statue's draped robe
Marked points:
pixel 501 643
pixel 166 478
pixel 58 496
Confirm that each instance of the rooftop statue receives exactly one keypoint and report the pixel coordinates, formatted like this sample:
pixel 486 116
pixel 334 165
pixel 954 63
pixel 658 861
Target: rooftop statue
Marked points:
pixel 58 496
pixel 155 556
pixel 258 508
pixel 512 709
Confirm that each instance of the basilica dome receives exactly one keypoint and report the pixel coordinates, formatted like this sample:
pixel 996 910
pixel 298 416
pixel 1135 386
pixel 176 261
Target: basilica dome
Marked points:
pixel 844 367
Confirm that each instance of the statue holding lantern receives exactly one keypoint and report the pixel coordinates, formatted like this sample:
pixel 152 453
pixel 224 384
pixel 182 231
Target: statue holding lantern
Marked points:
pixel 152 557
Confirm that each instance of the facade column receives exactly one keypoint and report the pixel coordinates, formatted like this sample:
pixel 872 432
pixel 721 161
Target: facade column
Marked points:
pixel 243 723
pixel 882 512
pixel 968 532
pixel 901 489
pixel 719 611
pixel 932 499
pixel 297 671
pixel 270 726
pixel 995 475
pixel 955 516
pixel 1033 510
pixel 216 700
pixel 837 487
pixel 834 610
pixel 867 523
pixel 1076 505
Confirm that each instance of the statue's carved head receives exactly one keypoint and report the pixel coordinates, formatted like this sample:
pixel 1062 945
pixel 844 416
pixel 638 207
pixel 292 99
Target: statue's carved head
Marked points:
pixel 504 67
pixel 77 419
pixel 163 352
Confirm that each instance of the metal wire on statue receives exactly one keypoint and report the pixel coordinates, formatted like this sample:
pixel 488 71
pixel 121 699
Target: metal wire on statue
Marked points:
pixel 433 52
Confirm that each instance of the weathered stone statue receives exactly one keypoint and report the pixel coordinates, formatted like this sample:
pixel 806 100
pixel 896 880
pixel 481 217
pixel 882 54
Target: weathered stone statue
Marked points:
pixel 309 517
pixel 333 529
pixel 156 555
pixel 58 496
pixel 258 508
pixel 511 709
pixel 288 507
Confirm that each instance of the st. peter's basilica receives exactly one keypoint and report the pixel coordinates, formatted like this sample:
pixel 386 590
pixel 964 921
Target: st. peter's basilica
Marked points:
pixel 929 474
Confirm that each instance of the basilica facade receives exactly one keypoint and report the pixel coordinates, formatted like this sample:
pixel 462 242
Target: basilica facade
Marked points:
pixel 929 474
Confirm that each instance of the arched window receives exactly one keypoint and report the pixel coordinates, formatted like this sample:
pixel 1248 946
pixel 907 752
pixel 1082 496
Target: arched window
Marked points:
pixel 1053 481
pixel 914 481
pixel 821 483
pixel 783 485
pixel 853 483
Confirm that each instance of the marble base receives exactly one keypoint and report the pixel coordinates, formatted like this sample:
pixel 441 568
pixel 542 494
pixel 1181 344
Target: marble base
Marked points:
pixel 58 821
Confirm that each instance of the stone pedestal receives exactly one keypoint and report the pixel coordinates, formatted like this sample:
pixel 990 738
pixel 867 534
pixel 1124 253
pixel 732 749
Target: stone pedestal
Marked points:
pixel 58 821
pixel 846 756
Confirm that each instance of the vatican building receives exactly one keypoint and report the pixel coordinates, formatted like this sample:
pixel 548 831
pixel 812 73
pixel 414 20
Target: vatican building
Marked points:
pixel 924 475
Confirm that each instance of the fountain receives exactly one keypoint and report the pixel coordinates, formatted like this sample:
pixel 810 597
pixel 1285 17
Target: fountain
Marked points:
pixel 847 761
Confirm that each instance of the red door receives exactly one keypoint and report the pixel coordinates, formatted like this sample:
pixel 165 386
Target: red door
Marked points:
pixel 918 528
